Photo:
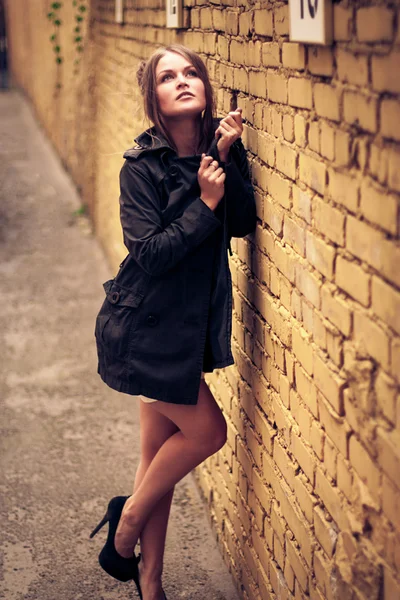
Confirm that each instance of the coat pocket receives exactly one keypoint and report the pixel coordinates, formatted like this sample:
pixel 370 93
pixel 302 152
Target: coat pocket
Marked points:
pixel 117 319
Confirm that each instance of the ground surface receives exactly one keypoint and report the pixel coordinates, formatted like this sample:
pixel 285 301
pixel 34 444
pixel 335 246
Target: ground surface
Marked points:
pixel 68 443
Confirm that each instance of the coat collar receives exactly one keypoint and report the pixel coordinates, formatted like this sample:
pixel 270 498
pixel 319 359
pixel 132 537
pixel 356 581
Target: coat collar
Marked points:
pixel 150 140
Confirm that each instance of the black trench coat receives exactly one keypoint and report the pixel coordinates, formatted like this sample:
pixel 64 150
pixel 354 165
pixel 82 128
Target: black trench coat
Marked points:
pixel 167 315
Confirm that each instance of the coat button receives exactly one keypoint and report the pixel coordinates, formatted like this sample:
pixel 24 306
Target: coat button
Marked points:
pixel 152 320
pixel 173 170
pixel 115 296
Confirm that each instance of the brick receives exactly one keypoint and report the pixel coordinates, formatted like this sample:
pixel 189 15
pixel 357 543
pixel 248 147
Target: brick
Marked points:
pixel 336 311
pixel 288 128
pixel 389 453
pixel 281 20
pixel 266 430
pixel 294 518
pixel 386 394
pixel 343 189
pixel 284 464
pixel 386 303
pixel 253 54
pixel 266 148
pixel 324 532
pixel 300 130
pixel 312 173
pixel 206 18
pixel 302 349
pixel 320 60
pixel 328 141
pixel 300 92
pixel 365 467
pixel 218 19
pixel 270 54
pixel 317 440
pixel 391 503
pixel 314 137
pixel 326 101
pixel 273 216
pixel 261 549
pixel 302 204
pixel 322 573
pixel 329 496
pixel 353 280
pixel 342 21
pixel 352 68
pixel 342 148
pixel 304 498
pixel 232 22
pixel 304 456
pixel 293 56
pixel 361 110
pixel 294 235
pixel 286 160
pixel 374 24
pixel 277 87
pixel 329 221
pixel 390 119
pixel 263 22
pixel 309 285
pixel 329 383
pixel 383 68
pixel 320 255
pixel 257 83
pixel 390 586
pixel 334 425
pixel 393 170
pixel 301 414
pixel 344 477
pixel 378 206
pixel 371 246
pixel 277 522
pixel 297 563
pixel 372 337
pixel 262 492
pixel 306 389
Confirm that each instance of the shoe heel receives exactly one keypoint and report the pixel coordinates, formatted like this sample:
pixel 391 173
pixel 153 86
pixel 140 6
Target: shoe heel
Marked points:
pixel 104 520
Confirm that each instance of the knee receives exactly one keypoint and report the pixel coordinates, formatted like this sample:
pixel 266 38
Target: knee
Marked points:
pixel 216 437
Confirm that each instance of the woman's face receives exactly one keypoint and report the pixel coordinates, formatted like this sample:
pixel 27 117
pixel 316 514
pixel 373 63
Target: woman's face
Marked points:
pixel 180 91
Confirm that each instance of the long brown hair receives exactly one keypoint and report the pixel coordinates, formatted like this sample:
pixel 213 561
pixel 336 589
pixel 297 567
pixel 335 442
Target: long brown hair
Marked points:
pixel 146 76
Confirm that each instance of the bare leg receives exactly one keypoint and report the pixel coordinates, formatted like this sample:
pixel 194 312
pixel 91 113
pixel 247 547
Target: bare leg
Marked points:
pixel 202 433
pixel 155 429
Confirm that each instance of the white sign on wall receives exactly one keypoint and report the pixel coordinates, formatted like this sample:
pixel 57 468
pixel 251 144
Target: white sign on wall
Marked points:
pixel 119 11
pixel 311 21
pixel 174 13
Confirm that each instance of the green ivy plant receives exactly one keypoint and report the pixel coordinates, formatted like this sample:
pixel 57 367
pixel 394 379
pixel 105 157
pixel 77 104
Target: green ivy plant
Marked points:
pixel 81 8
pixel 54 17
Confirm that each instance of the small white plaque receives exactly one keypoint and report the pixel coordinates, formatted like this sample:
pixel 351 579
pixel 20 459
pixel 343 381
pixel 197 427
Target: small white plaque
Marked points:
pixel 174 13
pixel 119 11
pixel 310 21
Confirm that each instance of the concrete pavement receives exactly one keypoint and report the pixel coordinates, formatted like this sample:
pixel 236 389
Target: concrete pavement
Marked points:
pixel 68 443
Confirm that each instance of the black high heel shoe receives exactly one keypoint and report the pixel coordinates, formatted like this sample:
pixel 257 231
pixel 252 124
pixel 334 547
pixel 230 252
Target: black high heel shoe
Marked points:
pixel 113 563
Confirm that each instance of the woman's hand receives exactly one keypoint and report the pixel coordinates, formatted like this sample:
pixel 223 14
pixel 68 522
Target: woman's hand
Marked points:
pixel 229 130
pixel 211 180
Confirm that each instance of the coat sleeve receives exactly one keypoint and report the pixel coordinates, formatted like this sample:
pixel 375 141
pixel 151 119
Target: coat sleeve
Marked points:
pixel 156 248
pixel 239 194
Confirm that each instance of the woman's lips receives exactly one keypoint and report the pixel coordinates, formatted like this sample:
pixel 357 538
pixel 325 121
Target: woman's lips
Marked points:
pixel 186 95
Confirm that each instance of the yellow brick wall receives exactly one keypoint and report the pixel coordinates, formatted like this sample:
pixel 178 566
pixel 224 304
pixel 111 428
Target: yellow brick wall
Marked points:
pixel 304 498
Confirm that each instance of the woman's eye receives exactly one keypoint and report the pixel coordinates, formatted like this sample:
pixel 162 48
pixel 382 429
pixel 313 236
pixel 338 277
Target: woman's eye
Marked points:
pixel 193 73
pixel 165 77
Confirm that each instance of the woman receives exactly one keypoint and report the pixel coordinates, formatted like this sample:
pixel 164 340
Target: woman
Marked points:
pixel 167 316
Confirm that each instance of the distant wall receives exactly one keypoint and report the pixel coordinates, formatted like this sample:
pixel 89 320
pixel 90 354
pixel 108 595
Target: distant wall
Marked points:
pixel 304 497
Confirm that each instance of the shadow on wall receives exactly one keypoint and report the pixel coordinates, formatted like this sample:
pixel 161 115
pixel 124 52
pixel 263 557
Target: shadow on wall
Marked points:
pixel 3 49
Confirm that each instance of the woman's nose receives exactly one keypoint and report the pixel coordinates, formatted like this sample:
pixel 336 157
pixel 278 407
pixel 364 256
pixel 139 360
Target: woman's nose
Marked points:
pixel 181 80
